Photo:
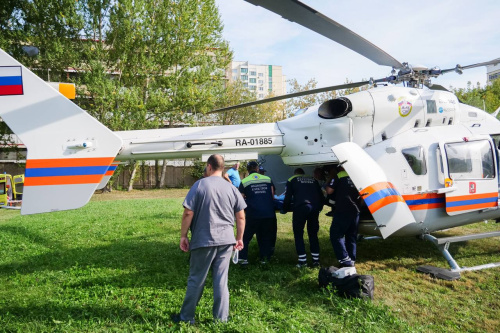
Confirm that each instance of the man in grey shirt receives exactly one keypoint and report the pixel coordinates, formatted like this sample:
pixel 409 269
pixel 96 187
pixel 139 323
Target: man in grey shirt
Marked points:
pixel 210 208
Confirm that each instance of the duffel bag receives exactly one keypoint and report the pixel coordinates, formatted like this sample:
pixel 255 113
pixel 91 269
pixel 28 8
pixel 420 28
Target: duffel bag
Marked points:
pixel 353 286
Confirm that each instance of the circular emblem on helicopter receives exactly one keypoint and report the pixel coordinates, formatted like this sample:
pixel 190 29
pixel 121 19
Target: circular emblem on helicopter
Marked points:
pixel 441 109
pixel 405 108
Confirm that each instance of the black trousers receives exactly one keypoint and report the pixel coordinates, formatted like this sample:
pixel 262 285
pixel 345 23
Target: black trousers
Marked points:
pixel 302 215
pixel 343 235
pixel 265 229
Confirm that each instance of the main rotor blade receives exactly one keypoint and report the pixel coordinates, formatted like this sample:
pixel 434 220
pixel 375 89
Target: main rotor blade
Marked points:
pixel 458 67
pixel 297 94
pixel 310 18
pixel 436 87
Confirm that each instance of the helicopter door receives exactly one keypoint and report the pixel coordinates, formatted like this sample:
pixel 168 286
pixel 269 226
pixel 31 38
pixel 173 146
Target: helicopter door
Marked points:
pixel 471 180
pixel 386 204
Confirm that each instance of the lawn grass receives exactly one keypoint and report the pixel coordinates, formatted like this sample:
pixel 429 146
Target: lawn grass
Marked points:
pixel 114 265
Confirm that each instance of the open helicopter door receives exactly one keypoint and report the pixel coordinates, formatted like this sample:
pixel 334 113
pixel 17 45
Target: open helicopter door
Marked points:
pixel 386 204
pixel 470 175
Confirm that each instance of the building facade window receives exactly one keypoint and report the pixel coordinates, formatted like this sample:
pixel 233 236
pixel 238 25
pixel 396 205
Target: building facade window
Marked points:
pixel 244 77
pixel 261 74
pixel 244 70
pixel 253 73
pixel 494 76
pixel 253 80
pixel 261 95
pixel 235 70
pixel 245 85
pixel 261 88
pixel 253 87
pixel 261 81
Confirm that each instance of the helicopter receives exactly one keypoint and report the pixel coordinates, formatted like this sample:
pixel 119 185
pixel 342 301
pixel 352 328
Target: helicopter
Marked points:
pixel 421 160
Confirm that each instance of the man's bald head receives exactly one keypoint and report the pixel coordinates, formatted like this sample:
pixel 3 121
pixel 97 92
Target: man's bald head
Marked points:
pixel 216 162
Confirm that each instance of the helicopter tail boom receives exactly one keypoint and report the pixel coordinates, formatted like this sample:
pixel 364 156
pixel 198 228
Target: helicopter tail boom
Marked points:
pixel 69 152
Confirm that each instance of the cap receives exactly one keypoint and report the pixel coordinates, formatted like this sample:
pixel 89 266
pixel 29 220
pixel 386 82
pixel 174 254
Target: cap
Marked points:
pixel 252 165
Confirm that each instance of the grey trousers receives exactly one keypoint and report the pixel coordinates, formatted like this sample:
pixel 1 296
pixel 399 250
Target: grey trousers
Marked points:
pixel 202 259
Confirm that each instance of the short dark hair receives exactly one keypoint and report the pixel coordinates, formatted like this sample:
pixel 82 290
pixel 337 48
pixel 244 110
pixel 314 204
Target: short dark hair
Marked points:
pixel 251 166
pixel 299 171
pixel 216 161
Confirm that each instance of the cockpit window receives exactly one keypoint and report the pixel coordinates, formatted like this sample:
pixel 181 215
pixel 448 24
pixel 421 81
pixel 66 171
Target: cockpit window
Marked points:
pixel 416 159
pixel 470 160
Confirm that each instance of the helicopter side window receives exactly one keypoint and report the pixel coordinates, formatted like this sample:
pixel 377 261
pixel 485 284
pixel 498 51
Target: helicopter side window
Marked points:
pixel 416 159
pixel 472 160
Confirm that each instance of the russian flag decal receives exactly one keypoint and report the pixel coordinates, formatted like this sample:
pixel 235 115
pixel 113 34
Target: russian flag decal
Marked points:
pixel 11 81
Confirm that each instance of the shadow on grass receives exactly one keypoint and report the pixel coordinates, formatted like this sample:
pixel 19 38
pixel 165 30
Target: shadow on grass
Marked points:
pixel 151 262
pixel 55 315
pixel 146 261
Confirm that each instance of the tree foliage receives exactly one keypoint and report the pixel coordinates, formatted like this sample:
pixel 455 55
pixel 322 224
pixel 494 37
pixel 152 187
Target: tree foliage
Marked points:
pixel 306 101
pixel 137 63
pixel 487 97
pixel 235 93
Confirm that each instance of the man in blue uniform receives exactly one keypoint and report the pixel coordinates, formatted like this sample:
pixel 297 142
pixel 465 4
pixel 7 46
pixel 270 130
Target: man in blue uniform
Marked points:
pixel 307 198
pixel 344 228
pixel 258 191
pixel 234 174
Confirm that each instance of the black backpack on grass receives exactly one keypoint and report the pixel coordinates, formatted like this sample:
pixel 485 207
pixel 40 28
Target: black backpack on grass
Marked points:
pixel 353 286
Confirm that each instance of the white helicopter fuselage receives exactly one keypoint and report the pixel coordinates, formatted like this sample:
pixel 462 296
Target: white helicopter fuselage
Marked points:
pixel 70 154
pixel 385 123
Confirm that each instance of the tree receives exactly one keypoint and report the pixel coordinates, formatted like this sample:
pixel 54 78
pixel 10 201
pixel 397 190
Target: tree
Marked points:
pixel 138 63
pixel 487 97
pixel 306 101
pixel 235 93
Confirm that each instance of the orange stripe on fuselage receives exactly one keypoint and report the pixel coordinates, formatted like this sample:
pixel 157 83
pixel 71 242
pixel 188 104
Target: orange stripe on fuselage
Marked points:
pixel 68 162
pixel 375 188
pixel 62 180
pixel 471 207
pixel 472 196
pixel 423 196
pixel 384 202
pixel 427 206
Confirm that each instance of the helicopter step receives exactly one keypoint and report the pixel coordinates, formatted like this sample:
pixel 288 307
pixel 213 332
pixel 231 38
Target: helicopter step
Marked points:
pixel 444 243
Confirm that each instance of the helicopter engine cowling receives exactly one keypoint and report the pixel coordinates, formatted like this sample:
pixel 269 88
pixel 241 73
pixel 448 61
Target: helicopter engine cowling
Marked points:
pixel 335 108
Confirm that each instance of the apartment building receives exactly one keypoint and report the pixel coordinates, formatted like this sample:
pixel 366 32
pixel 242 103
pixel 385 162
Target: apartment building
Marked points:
pixel 263 79
pixel 492 73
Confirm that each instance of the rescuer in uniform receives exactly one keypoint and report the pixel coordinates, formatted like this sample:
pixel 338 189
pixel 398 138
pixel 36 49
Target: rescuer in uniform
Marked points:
pixel 344 228
pixel 258 191
pixel 274 232
pixel 307 198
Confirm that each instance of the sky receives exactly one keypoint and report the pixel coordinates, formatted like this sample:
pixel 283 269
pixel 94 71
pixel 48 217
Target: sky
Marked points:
pixel 440 33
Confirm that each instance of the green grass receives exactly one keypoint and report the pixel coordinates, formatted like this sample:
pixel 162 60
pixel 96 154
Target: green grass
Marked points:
pixel 115 266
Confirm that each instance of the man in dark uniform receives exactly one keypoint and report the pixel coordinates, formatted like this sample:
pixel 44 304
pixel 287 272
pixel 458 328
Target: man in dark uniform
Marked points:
pixel 344 228
pixel 307 198
pixel 258 191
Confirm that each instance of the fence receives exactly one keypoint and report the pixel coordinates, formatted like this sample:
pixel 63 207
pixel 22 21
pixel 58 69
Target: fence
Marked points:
pixel 145 177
